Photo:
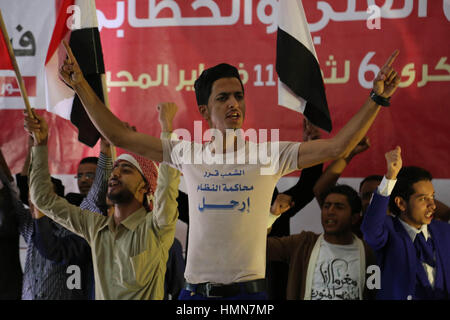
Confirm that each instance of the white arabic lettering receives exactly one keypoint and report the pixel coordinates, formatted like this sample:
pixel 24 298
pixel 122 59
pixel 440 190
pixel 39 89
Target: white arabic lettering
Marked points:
pixel 177 19
pixel 113 23
pixel 366 67
pixel 144 80
pixel 328 14
pixel 266 11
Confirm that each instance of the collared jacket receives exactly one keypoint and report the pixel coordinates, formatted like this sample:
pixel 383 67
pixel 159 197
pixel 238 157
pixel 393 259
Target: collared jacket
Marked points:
pixel 395 251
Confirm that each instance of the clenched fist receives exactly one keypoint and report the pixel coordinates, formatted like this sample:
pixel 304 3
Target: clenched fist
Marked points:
pixel 393 162
pixel 167 111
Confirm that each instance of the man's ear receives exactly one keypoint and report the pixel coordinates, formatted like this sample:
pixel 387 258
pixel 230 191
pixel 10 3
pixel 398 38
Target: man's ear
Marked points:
pixel 204 111
pixel 146 187
pixel 401 203
pixel 143 187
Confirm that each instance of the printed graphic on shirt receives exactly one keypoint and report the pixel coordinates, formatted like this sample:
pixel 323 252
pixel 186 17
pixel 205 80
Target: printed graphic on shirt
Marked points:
pixel 239 203
pixel 335 281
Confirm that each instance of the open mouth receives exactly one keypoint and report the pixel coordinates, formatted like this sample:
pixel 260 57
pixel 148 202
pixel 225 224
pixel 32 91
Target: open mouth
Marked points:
pixel 429 215
pixel 114 183
pixel 234 115
pixel 330 222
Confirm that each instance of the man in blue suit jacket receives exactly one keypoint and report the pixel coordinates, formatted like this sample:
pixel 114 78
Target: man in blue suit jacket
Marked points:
pixel 413 250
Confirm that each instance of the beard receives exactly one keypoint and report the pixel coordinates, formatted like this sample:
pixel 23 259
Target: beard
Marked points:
pixel 121 197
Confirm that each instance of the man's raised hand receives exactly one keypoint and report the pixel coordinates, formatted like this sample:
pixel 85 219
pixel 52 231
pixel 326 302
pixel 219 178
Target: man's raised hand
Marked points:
pixel 387 80
pixel 37 126
pixel 167 111
pixel 282 203
pixel 393 162
pixel 362 146
pixel 70 71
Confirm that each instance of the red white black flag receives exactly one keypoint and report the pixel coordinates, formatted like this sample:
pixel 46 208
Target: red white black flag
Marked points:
pixel 301 86
pixel 84 39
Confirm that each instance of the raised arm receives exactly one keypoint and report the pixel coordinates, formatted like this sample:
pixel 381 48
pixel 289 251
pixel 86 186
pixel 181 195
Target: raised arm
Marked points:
pixel 42 194
pixel 166 211
pixel 373 226
pixel 167 113
pixel 104 120
pixel 332 173
pixel 95 200
pixel 340 146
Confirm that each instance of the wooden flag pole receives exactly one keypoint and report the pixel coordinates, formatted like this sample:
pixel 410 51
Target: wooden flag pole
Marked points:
pixel 23 90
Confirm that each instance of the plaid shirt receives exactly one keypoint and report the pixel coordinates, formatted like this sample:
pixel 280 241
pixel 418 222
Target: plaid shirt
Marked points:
pixel 45 279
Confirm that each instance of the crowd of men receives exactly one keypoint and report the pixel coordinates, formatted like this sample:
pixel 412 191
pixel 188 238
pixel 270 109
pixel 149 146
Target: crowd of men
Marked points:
pixel 115 240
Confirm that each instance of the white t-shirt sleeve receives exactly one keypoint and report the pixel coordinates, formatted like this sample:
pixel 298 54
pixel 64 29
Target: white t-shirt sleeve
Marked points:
pixel 287 157
pixel 174 152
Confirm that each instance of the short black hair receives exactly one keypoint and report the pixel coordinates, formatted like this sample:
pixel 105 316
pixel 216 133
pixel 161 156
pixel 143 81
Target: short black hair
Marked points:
pixel 93 160
pixel 404 186
pixel 352 196
pixel 374 177
pixel 204 83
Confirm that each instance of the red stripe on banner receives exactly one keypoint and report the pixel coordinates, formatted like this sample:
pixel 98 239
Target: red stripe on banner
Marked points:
pixel 61 29
pixel 10 88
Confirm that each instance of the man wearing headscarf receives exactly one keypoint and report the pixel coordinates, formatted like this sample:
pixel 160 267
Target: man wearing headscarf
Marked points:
pixel 130 247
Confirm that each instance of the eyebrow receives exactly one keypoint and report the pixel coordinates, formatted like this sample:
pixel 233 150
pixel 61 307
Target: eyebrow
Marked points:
pixel 230 92
pixel 425 194
pixel 227 93
pixel 124 164
pixel 83 172
pixel 335 203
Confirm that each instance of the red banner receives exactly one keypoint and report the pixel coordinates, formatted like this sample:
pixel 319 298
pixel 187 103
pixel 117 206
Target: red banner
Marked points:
pixel 10 87
pixel 154 50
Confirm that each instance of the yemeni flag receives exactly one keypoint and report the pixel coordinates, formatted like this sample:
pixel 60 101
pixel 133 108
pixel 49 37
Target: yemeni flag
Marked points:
pixel 84 39
pixel 301 86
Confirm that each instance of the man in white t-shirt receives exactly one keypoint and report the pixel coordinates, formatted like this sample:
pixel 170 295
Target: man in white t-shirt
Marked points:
pixel 229 203
pixel 331 265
